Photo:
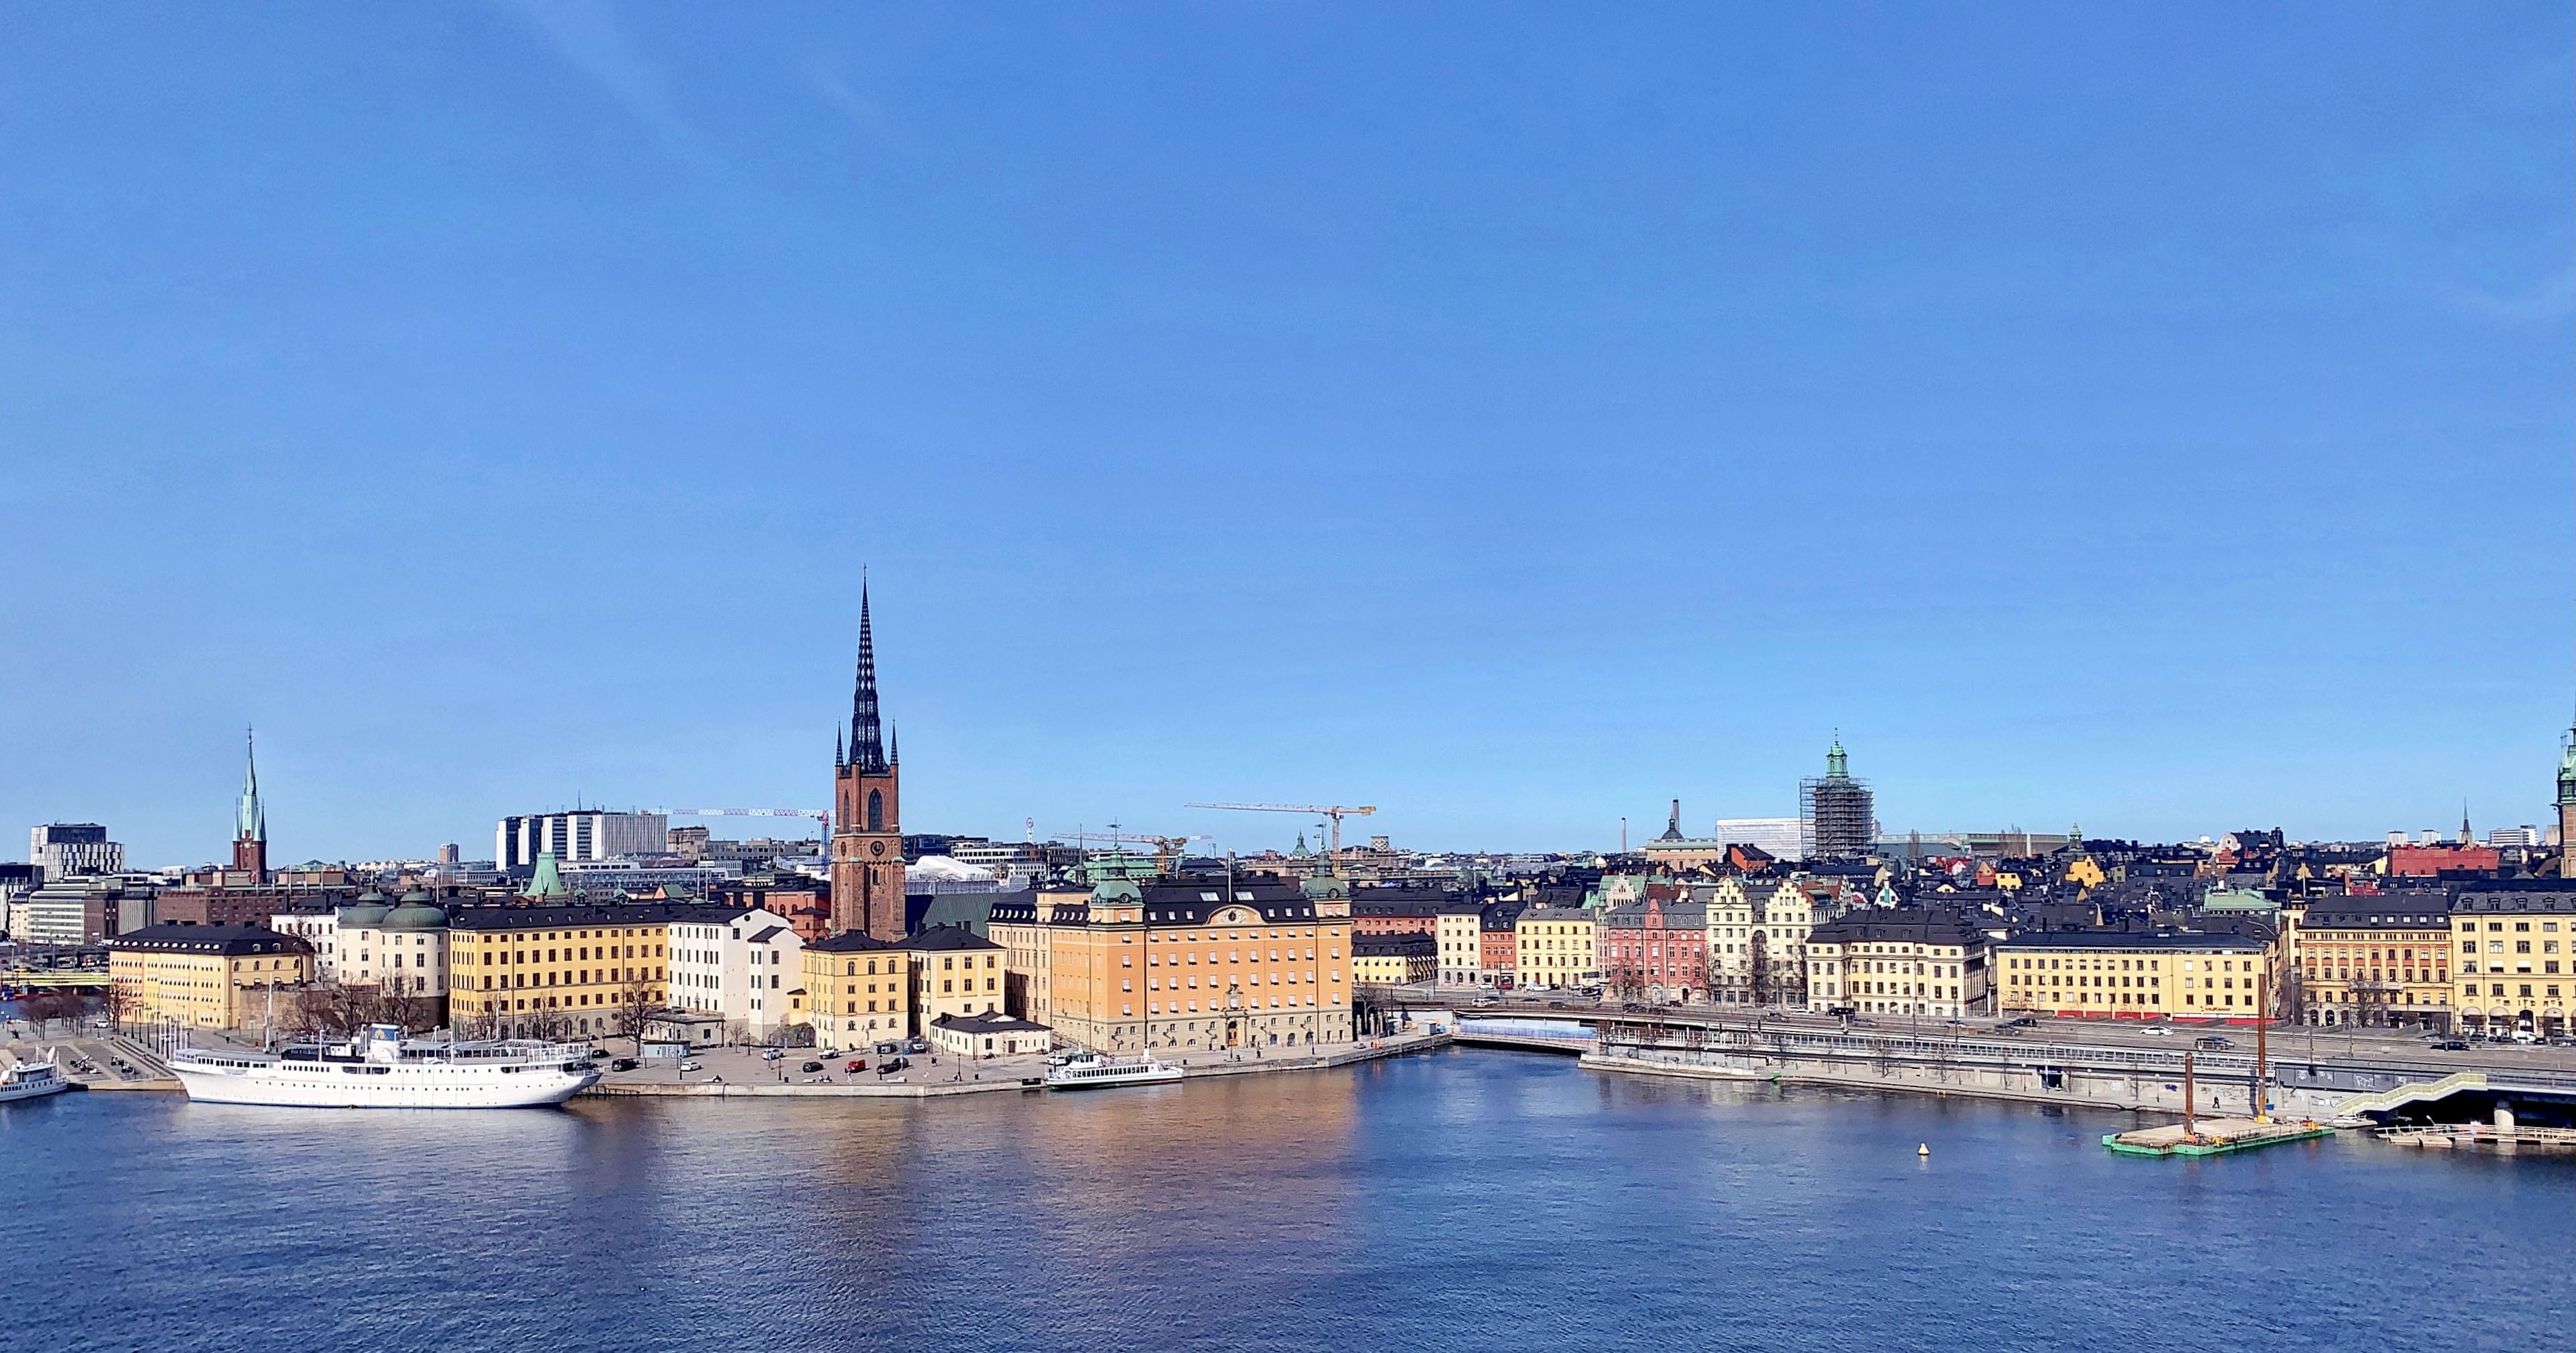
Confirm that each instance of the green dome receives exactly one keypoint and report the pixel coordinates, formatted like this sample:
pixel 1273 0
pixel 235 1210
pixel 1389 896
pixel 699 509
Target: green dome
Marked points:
pixel 415 916
pixel 364 916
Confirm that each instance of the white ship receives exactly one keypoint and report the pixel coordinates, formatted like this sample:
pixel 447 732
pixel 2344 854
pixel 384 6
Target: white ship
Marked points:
pixel 381 1069
pixel 1092 1071
pixel 26 1080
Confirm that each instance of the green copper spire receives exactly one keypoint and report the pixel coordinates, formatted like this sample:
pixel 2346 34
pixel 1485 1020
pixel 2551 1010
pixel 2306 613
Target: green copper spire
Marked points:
pixel 1837 765
pixel 250 820
pixel 547 882
pixel 2567 769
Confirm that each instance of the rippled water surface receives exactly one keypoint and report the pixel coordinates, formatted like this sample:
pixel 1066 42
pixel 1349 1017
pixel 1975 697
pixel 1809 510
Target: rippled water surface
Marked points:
pixel 1462 1200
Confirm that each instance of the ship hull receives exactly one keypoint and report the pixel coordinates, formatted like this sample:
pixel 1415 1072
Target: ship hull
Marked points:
pixel 346 1086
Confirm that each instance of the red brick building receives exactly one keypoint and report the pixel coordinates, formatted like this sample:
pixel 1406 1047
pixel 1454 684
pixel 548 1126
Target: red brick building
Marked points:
pixel 1655 950
pixel 2428 861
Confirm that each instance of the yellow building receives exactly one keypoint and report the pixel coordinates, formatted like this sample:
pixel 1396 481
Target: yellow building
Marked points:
pixel 1183 963
pixel 1394 960
pixel 1556 947
pixel 2514 951
pixel 208 976
pixel 519 971
pixel 2109 974
pixel 954 972
pixel 858 991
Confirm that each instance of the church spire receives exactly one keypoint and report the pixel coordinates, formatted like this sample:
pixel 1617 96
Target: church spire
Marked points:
pixel 894 745
pixel 250 820
pixel 867 746
pixel 840 758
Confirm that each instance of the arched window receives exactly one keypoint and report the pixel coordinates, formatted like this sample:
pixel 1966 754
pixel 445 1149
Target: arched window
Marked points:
pixel 876 811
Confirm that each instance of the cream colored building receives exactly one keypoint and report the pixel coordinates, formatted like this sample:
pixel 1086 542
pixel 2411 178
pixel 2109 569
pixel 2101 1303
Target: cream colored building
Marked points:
pixel 1458 935
pixel 208 976
pixel 2110 974
pixel 954 972
pixel 400 950
pixel 1919 964
pixel 1757 935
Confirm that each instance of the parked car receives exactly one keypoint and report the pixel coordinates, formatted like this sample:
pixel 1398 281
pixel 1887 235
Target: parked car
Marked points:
pixel 622 1064
pixel 810 1068
pixel 2025 1022
pixel 888 1049
pixel 2212 1041
pixel 917 1045
pixel 691 1066
pixel 771 1054
pixel 857 1064
pixel 597 1053
pixel 2159 1030
pixel 2450 1045
pixel 888 1068
pixel 1555 1005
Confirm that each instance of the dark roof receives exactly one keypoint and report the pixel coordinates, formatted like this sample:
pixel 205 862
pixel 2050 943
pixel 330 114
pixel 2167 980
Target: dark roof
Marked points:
pixel 766 935
pixel 850 942
pixel 2128 939
pixel 946 937
pixel 989 1024
pixel 173 938
pixel 1411 944
pixel 1192 902
pixel 589 914
pixel 1895 925
pixel 2533 895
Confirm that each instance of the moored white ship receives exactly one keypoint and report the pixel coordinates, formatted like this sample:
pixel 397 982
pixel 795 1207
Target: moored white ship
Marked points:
pixel 381 1069
pixel 27 1080
pixel 1093 1071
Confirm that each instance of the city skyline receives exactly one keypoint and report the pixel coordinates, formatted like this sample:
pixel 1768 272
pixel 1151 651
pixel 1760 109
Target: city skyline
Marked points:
pixel 1512 426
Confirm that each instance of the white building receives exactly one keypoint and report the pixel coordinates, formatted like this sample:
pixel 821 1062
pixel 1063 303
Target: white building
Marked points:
pixel 586 835
pixel 1784 838
pixel 321 929
pixel 746 968
pixel 63 849
pixel 982 1036
pixel 1460 935
pixel 400 950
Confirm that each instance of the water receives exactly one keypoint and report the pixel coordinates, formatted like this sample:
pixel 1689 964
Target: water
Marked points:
pixel 1464 1200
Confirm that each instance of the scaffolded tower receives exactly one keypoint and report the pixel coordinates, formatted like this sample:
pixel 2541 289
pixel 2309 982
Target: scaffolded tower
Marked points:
pixel 1840 814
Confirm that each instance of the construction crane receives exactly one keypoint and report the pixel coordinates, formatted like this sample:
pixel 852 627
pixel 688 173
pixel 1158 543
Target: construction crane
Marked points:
pixel 822 817
pixel 1334 811
pixel 1167 849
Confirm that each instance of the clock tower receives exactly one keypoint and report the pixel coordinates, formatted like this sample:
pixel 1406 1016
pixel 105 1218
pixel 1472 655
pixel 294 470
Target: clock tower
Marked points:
pixel 867 833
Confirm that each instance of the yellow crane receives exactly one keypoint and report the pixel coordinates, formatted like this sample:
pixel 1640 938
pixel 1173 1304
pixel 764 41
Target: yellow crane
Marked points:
pixel 1334 811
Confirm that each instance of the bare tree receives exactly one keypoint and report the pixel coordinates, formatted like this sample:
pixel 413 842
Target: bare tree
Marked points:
pixel 637 1003
pixel 121 1004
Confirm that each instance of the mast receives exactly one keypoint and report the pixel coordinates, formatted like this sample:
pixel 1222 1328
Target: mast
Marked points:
pixel 2187 1097
pixel 2262 1071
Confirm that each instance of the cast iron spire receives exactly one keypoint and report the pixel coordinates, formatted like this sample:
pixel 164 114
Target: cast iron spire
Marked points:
pixel 867 743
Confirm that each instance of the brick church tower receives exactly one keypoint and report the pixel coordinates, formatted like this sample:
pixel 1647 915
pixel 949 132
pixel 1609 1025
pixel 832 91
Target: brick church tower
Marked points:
pixel 867 835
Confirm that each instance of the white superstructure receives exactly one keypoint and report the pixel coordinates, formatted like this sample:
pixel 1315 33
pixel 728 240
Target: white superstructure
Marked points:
pixel 1094 1071
pixel 383 1070
pixel 27 1080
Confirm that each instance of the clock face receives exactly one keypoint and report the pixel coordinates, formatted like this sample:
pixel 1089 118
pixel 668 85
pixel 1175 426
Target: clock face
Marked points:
pixel 876 847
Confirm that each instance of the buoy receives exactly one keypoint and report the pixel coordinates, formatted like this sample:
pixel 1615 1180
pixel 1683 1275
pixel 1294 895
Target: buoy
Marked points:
pixel 1923 1150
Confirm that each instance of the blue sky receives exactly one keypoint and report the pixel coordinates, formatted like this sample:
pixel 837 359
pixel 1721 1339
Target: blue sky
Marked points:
pixel 1514 417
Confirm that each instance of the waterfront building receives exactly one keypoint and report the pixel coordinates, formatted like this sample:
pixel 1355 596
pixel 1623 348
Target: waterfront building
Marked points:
pixel 207 977
pixel 954 972
pixel 981 1036
pixel 867 800
pixel 1394 960
pixel 2116 974
pixel 399 950
pixel 1556 947
pixel 525 971
pixel 1196 961
pixel 740 965
pixel 1457 941
pixel 582 835
pixel 1898 962
pixel 858 990
pixel 320 928
pixel 2514 947
pixel 2375 959
pixel 1757 927
pixel 1654 949
pixel 63 849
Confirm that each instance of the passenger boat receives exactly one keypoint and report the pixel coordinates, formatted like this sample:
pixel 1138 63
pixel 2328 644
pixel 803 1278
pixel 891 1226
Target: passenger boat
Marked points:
pixel 381 1069
pixel 27 1080
pixel 1093 1071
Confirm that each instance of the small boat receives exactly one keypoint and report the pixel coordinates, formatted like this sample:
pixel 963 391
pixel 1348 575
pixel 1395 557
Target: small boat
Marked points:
pixel 381 1069
pixel 1094 1071
pixel 27 1080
